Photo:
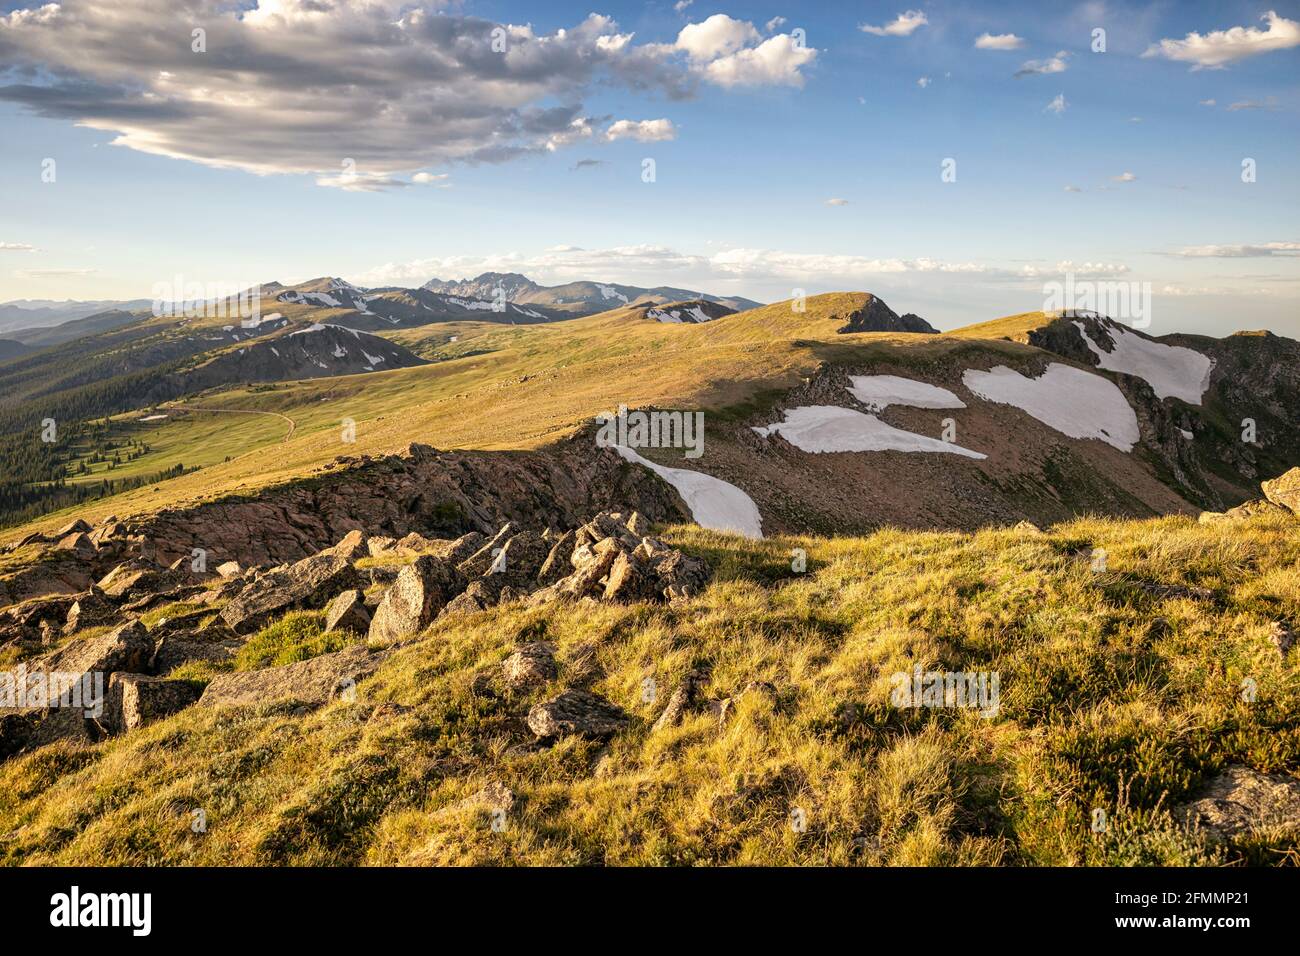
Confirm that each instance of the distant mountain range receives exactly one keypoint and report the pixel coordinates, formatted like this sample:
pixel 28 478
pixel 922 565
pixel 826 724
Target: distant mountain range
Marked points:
pixel 582 297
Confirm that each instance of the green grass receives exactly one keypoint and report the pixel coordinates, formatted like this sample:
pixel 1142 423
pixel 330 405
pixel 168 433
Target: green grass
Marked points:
pixel 1111 699
pixel 295 637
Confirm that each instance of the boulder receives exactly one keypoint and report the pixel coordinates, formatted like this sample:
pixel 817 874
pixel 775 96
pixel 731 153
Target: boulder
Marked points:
pixel 421 590
pixel 577 712
pixel 72 528
pixel 1241 802
pixel 348 612
pixel 680 575
pixel 229 569
pixel 311 682
pixel 89 610
pixel 307 584
pixel 135 700
pixel 126 648
pixel 481 561
pixel 520 559
pixel 78 542
pixel 531 665
pixel 629 579
pixel 1284 490
pixel 352 546
pixel 557 565
pixel 379 544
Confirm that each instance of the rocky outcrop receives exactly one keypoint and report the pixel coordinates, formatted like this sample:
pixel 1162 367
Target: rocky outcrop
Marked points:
pixel 875 316
pixel 308 583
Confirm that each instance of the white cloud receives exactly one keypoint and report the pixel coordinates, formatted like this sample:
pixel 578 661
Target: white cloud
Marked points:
pixel 1123 178
pixel 16 247
pixel 425 179
pixel 923 82
pixel 1216 50
pixel 774 24
pixel 1053 64
pixel 681 5
pixel 1073 189
pixel 1057 105
pixel 1262 250
pixel 1207 102
pixel 719 35
pixel 998 41
pixel 901 26
pixel 1078 269
pixel 643 131
pixel 1267 104
pixel 837 202
pixel 720 51
pixel 776 61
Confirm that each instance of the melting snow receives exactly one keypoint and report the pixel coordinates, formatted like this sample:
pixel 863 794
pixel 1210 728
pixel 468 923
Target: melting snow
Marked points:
pixel 610 292
pixel 1170 370
pixel 878 392
pixel 830 428
pixel 1076 403
pixel 1186 434
pixel 693 314
pixel 152 418
pixel 714 503
pixel 340 351
pixel 372 359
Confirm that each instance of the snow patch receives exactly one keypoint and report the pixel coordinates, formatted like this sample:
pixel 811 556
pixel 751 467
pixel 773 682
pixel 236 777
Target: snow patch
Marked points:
pixel 830 428
pixel 1074 402
pixel 152 418
pixel 878 392
pixel 1170 370
pixel 610 292
pixel 714 503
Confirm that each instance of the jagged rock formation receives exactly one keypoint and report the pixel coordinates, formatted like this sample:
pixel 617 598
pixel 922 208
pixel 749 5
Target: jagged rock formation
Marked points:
pixel 611 557
pixel 875 316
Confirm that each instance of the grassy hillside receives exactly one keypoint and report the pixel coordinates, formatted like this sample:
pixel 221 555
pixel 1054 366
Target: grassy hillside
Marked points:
pixel 1116 695
pixel 524 386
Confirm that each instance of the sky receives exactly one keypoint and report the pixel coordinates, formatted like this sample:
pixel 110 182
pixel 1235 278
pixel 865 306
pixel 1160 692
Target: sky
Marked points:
pixel 953 158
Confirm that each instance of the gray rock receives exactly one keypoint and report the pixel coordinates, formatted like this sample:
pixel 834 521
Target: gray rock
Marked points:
pixel 530 666
pixel 135 700
pixel 348 612
pixel 1242 802
pixel 576 712
pixel 421 590
pixel 313 681
pixel 307 584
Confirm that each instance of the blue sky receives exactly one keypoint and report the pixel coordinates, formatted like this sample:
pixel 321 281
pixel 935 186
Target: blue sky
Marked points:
pixel 225 165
